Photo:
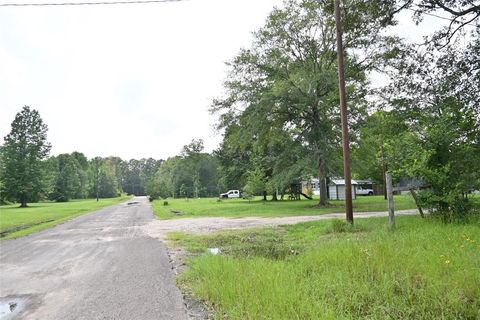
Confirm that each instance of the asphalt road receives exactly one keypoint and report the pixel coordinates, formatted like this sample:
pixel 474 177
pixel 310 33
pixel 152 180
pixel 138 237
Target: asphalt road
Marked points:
pixel 99 266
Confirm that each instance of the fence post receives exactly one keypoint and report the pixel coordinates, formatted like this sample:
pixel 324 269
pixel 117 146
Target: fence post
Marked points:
pixel 391 210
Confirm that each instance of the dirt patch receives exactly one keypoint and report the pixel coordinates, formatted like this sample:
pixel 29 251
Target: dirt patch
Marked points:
pixel 161 228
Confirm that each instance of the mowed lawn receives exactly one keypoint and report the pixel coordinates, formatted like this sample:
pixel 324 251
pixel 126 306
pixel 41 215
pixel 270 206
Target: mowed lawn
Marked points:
pixel 213 207
pixel 326 270
pixel 15 221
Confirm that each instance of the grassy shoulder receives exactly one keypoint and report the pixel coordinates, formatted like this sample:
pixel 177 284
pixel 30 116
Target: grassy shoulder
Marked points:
pixel 16 222
pixel 326 270
pixel 213 207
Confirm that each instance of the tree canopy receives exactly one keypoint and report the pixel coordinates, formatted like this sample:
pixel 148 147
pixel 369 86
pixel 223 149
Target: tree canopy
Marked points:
pixel 23 151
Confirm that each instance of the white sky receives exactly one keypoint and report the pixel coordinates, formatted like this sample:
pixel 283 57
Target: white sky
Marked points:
pixel 127 80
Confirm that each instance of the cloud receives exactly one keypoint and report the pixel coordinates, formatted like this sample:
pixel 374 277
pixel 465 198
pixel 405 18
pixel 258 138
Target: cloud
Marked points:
pixel 133 81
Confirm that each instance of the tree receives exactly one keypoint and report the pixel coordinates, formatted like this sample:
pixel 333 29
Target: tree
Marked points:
pixel 150 167
pixel 82 170
pixel 370 156
pixel 23 151
pixel 255 182
pixel 165 179
pixel 2 195
pixel 67 182
pixel 288 78
pixel 193 173
pixel 438 94
pixel 103 181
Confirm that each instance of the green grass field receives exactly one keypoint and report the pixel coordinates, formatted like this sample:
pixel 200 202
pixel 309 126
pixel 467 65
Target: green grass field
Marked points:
pixel 326 270
pixel 16 222
pixel 212 207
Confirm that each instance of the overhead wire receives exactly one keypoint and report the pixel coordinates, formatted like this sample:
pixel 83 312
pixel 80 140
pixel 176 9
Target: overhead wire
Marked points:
pixel 125 2
pixel 87 3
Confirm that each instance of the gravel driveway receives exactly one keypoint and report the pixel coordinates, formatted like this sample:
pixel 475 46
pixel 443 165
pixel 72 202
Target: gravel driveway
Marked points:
pixel 160 228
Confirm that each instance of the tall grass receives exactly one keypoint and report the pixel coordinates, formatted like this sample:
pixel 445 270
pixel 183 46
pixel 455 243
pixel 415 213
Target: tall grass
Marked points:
pixel 422 270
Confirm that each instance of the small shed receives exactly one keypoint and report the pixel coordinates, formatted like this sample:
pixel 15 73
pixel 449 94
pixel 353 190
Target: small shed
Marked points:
pixel 336 189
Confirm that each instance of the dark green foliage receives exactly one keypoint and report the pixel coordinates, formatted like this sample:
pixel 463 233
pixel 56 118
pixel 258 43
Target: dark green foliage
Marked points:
pixel 25 175
pixel 438 96
pixel 103 182
pixel 22 173
pixel 378 135
pixel 255 182
pixel 137 176
pixel 68 180
pixel 280 113
pixel 191 174
pixel 153 197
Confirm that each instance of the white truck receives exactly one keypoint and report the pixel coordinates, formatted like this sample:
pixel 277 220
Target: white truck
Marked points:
pixel 364 191
pixel 230 194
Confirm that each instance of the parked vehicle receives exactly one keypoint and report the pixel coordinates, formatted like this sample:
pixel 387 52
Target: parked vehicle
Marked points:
pixel 230 194
pixel 364 191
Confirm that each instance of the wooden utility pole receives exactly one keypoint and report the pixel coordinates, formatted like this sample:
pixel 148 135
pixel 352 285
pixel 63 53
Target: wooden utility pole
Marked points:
pixel 343 113
pixel 391 210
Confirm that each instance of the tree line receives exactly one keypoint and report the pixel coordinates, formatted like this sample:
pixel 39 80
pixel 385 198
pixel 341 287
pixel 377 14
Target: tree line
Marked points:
pixel 28 174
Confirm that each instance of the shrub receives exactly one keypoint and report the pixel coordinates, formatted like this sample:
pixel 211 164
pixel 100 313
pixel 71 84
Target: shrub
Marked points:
pixel 449 207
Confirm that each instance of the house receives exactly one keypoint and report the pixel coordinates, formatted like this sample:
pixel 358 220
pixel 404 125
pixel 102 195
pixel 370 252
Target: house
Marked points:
pixel 335 190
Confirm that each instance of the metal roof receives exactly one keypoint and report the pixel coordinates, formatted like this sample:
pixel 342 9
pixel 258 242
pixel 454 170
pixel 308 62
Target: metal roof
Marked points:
pixel 341 181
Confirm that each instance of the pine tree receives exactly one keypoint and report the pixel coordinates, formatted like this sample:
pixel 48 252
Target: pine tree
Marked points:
pixel 24 149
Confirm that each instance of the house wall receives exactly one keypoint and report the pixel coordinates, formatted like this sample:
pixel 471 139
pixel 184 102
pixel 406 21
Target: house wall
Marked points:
pixel 332 192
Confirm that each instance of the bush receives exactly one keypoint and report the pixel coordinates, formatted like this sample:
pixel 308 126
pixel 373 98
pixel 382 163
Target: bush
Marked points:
pixel 449 208
pixel 154 196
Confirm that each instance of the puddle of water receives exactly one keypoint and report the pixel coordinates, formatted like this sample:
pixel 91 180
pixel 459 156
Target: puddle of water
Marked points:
pixel 12 306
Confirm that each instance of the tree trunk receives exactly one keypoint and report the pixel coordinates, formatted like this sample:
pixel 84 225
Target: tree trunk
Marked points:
pixel 274 195
pixel 322 181
pixel 23 202
pixel 264 195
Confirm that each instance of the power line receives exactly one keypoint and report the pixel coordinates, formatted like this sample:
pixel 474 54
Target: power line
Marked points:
pixel 151 1
pixel 85 3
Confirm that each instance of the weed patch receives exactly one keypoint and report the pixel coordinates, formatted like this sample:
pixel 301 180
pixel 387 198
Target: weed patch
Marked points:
pixel 422 270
